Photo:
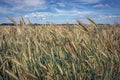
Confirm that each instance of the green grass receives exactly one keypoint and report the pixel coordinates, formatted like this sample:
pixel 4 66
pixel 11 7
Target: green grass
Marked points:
pixel 71 52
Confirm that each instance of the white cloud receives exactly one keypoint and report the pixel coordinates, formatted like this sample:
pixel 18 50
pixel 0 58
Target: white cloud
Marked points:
pixel 65 11
pixel 85 12
pixel 33 2
pixel 3 10
pixel 61 4
pixel 74 12
pixel 50 14
pixel 59 13
pixel 101 6
pixel 40 15
pixel 88 1
pixel 109 16
pixel 31 5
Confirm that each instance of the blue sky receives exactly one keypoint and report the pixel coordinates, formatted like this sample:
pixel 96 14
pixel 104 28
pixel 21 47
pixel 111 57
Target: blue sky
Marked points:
pixel 61 11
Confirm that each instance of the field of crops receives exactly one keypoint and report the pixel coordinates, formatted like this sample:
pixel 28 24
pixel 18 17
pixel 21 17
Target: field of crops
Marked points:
pixel 60 52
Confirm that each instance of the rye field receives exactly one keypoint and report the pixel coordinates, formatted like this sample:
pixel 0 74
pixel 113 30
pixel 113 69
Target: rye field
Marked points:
pixel 60 52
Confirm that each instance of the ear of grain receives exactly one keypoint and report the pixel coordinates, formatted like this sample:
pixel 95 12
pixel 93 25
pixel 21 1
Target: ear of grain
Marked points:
pixel 92 22
pixel 13 20
pixel 21 21
pixel 11 75
pixel 59 52
pixel 82 25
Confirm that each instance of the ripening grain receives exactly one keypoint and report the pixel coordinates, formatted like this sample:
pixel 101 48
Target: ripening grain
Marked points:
pixel 54 52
